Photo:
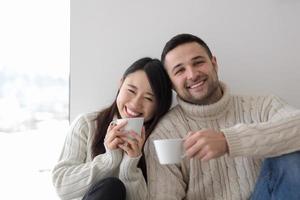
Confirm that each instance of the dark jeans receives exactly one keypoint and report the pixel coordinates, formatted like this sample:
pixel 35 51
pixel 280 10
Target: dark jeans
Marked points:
pixel 106 189
pixel 279 178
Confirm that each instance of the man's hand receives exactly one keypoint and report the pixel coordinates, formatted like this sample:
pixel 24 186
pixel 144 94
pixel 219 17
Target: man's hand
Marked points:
pixel 205 144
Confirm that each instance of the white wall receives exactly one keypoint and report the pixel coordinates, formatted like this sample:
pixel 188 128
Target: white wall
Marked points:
pixel 256 43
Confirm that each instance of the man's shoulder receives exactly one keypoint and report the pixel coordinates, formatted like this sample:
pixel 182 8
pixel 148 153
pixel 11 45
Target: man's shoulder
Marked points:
pixel 174 113
pixel 243 98
pixel 255 103
pixel 170 124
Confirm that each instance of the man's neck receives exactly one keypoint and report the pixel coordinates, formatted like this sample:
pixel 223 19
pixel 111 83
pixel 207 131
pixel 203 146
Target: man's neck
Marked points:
pixel 213 98
pixel 216 96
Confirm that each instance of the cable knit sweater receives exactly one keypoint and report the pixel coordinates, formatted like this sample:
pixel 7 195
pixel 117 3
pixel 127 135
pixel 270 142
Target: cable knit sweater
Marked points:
pixel 76 171
pixel 254 127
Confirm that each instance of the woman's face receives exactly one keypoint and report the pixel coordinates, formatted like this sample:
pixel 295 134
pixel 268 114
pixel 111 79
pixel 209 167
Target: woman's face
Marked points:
pixel 136 98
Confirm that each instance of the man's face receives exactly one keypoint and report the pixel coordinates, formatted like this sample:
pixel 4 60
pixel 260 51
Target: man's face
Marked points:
pixel 193 74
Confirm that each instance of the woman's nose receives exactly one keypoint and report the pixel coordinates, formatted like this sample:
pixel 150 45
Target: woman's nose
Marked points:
pixel 137 102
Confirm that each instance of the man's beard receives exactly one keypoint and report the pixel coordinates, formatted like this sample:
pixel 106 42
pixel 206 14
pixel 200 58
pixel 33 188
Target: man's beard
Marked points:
pixel 210 97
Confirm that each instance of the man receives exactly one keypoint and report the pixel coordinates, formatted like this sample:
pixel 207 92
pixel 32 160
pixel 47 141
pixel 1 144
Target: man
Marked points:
pixel 236 147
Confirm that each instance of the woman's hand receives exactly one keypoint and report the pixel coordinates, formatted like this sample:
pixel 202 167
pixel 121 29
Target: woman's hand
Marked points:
pixel 133 143
pixel 113 135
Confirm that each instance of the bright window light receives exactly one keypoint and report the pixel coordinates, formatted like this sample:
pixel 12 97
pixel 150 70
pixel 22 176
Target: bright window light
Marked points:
pixel 34 94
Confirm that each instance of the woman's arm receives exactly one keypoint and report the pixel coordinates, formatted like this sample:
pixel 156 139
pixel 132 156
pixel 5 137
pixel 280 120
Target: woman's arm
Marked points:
pixel 132 177
pixel 74 174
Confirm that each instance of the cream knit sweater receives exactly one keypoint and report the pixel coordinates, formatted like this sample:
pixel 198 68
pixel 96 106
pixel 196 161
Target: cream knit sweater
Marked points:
pixel 255 128
pixel 76 171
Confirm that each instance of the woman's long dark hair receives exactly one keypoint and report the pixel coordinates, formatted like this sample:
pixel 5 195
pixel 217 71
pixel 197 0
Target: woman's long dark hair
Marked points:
pixel 161 86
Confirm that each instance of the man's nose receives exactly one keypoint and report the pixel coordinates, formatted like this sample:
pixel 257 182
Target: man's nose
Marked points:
pixel 191 73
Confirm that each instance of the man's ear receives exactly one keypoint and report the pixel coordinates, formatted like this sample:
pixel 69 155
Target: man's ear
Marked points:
pixel 172 85
pixel 214 63
pixel 173 88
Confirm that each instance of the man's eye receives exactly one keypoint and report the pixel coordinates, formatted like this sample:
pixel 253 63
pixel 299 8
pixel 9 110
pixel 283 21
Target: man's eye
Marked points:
pixel 198 62
pixel 179 71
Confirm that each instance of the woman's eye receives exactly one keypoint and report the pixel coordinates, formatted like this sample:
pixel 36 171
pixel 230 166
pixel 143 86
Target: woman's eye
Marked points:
pixel 149 99
pixel 131 91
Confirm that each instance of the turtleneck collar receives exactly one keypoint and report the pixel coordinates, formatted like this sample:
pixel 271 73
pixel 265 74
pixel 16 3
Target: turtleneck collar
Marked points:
pixel 207 111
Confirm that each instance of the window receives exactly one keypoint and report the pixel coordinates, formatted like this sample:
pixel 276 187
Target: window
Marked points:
pixel 34 94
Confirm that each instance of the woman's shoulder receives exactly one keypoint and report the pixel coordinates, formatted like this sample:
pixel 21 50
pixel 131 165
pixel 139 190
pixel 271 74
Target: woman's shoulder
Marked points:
pixel 86 118
pixel 90 116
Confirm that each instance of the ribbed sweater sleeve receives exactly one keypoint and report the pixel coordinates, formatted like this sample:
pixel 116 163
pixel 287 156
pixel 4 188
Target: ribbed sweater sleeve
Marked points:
pixel 165 182
pixel 132 177
pixel 255 127
pixel 277 134
pixel 73 174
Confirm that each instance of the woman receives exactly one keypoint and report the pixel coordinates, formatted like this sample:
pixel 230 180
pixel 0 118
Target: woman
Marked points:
pixel 97 161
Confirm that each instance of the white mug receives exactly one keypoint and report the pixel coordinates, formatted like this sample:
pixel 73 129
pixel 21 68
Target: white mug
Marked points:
pixel 169 151
pixel 133 124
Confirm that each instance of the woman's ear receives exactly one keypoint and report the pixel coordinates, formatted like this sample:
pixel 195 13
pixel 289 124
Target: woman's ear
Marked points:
pixel 120 83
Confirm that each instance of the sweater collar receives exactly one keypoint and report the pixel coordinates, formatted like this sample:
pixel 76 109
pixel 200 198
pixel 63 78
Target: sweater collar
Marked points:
pixel 207 111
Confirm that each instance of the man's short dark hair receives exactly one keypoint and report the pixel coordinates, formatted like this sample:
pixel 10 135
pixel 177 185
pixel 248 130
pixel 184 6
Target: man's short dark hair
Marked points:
pixel 182 39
